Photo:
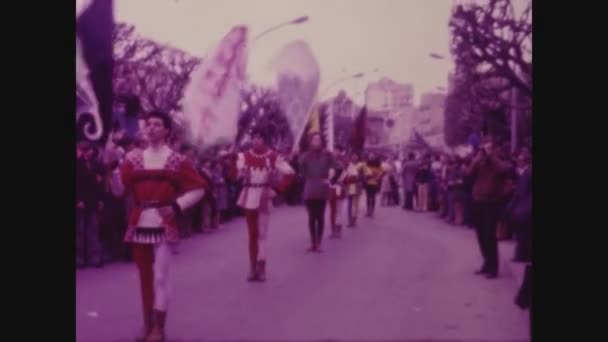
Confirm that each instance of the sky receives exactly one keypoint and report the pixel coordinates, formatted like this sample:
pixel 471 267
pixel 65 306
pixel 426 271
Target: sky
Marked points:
pixel 346 36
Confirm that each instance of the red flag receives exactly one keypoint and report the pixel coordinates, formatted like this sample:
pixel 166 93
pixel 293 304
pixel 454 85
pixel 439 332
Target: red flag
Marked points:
pixel 358 136
pixel 94 62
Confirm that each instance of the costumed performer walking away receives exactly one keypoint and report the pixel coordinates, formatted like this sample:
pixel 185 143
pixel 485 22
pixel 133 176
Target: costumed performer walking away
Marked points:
pixel 317 166
pixel 385 185
pixel 163 184
pixel 373 176
pixel 337 195
pixel 352 182
pixel 256 167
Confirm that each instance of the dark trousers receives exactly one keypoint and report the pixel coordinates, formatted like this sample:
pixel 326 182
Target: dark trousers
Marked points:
pixel 209 213
pixel 450 205
pixel 316 219
pixel 523 251
pixel 485 220
pixel 468 209
pixel 89 249
pixel 371 191
pixel 408 201
pixel 197 213
pixel 396 197
pixel 113 225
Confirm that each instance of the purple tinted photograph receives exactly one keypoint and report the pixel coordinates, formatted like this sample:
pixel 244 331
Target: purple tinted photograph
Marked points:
pixel 303 170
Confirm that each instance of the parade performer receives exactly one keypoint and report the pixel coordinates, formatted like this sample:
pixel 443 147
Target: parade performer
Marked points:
pixel 162 183
pixel 317 167
pixel 337 195
pixel 256 168
pixel 352 183
pixel 373 174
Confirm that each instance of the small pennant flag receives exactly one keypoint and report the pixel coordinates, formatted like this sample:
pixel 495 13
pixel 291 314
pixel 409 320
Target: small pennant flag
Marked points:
pixel 315 120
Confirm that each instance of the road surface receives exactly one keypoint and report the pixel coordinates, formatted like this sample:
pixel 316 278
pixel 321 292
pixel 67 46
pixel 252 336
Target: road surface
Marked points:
pixel 399 276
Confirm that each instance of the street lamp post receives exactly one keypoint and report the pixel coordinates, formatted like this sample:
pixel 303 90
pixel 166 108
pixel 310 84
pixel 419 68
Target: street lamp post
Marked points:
pixel 336 82
pixel 295 21
pixel 514 118
pixel 330 113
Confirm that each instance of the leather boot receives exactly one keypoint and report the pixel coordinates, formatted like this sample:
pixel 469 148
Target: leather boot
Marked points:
pixel 147 327
pixel 261 270
pixel 157 334
pixel 254 273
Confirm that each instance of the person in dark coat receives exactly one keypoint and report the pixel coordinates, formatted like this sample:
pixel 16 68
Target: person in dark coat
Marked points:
pixel 488 171
pixel 408 174
pixel 316 166
pixel 519 211
pixel 424 177
pixel 89 202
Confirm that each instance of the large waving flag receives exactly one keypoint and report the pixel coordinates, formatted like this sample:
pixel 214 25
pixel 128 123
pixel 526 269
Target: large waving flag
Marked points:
pixel 359 132
pixel 94 61
pixel 315 125
pixel 212 99
pixel 298 82
pixel 86 100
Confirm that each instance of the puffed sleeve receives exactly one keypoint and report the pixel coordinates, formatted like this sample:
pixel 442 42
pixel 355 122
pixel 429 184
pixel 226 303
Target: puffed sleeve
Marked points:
pixel 121 179
pixel 192 185
pixel 188 178
pixel 286 171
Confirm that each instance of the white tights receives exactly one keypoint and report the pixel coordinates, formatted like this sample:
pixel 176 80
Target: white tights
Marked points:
pixel 162 259
pixel 264 220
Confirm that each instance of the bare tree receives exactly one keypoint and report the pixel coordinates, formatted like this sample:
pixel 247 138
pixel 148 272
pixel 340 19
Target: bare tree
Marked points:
pixel 492 48
pixel 155 73
pixel 261 109
pixel 491 42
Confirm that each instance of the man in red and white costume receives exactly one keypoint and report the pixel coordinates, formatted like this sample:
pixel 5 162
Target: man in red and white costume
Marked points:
pixel 163 183
pixel 257 168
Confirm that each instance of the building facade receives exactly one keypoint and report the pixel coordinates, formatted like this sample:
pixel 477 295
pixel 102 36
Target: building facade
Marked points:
pixel 390 110
pixel 429 118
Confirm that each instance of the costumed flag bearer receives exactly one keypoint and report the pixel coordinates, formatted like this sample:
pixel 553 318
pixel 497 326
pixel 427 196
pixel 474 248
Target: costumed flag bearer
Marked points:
pixel 163 184
pixel 257 167
pixel 337 194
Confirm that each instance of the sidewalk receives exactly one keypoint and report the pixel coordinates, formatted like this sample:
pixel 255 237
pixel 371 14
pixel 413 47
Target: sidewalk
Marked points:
pixel 506 250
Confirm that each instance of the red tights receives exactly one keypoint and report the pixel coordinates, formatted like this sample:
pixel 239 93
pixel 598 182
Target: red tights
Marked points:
pixel 252 218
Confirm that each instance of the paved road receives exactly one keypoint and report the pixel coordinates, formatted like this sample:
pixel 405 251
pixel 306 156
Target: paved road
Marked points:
pixel 399 276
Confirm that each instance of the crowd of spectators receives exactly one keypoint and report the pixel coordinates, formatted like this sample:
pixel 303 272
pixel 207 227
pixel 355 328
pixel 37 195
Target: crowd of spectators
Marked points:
pixel 101 217
pixel 454 187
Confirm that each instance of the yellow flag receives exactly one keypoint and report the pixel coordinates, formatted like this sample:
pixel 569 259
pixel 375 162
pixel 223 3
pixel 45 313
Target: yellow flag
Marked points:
pixel 315 120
